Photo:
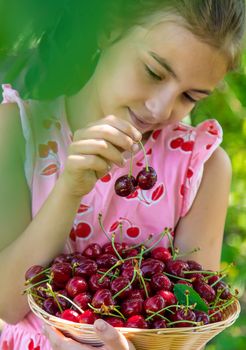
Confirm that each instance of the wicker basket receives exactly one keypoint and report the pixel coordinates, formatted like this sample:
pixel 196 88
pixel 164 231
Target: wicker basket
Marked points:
pixel 188 338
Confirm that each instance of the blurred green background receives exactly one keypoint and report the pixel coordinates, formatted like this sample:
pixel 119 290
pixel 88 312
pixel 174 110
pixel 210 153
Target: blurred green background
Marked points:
pixel 228 106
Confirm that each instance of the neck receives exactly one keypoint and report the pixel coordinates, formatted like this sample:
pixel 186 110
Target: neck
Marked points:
pixel 80 108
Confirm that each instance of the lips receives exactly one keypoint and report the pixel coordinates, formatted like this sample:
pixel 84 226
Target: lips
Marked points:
pixel 138 122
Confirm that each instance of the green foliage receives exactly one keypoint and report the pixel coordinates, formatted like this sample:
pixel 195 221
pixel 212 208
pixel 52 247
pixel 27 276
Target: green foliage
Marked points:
pixel 228 106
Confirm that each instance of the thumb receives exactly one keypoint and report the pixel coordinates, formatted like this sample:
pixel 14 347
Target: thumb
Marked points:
pixel 111 337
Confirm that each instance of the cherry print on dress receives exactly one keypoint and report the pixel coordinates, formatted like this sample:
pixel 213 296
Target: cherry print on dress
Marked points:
pixel 49 153
pixel 50 122
pixel 106 178
pixel 81 230
pixel 148 198
pixel 32 347
pixel 132 231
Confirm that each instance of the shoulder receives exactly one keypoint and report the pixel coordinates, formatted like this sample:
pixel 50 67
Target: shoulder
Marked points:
pixel 11 134
pixel 219 164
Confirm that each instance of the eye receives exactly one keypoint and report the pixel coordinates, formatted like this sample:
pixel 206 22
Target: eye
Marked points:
pixel 189 98
pixel 152 74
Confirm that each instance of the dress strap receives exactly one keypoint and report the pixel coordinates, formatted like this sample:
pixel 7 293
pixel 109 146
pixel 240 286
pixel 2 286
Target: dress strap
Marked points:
pixel 12 96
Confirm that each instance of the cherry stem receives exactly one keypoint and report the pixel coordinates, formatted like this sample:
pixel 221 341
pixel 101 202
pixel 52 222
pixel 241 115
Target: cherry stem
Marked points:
pixel 70 301
pixel 121 232
pixel 130 167
pixel 213 284
pixel 145 157
pixel 224 306
pixel 143 283
pixel 115 250
pixel 118 263
pixel 38 274
pixel 110 274
pixel 158 312
pixel 211 273
pixel 166 230
pixel 177 277
pixel 102 227
pixel 128 285
pixel 121 315
pixel 54 296
pixel 34 285
pixel 139 244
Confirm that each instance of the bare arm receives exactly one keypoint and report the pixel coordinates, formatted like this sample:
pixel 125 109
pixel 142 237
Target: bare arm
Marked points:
pixel 203 226
pixel 24 242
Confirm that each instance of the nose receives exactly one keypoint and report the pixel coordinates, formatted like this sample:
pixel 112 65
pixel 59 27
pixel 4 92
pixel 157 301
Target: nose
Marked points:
pixel 161 105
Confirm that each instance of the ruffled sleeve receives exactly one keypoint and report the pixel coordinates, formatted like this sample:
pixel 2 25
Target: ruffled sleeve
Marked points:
pixel 206 137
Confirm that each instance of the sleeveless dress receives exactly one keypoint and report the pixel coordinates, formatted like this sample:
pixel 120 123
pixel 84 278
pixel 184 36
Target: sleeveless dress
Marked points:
pixel 177 153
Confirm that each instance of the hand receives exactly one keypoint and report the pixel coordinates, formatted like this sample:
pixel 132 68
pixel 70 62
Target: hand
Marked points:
pixel 112 339
pixel 93 151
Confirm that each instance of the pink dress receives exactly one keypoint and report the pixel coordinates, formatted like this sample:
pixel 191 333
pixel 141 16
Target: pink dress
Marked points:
pixel 177 153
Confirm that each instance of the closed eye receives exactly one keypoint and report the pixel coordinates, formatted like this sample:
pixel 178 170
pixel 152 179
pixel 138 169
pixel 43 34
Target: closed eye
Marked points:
pixel 188 97
pixel 152 74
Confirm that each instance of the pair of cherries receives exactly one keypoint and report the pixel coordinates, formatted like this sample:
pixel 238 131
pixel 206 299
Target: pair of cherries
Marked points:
pixel 127 184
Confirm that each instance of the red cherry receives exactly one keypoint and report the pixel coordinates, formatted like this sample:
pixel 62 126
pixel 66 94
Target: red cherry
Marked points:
pixel 106 261
pixel 87 317
pixel 176 143
pixel 161 253
pixel 76 285
pixel 115 321
pixel 118 284
pixel 92 251
pixel 102 296
pixel 159 323
pixel 130 307
pixel 125 185
pixel 70 315
pixel 205 290
pixel 149 267
pixel 146 179
pixel 160 281
pixel 85 267
pixel 34 275
pixel 201 316
pixel 184 315
pixel 168 296
pixel 217 317
pixel 95 283
pixel 176 267
pixel 154 304
pixel 50 306
pixel 82 300
pixel 136 321
pixel 60 273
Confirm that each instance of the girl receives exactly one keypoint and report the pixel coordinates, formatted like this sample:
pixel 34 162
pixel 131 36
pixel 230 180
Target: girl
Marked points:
pixel 157 60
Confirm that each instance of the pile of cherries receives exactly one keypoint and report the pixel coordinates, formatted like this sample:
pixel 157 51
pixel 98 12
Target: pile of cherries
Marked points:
pixel 130 286
pixel 146 179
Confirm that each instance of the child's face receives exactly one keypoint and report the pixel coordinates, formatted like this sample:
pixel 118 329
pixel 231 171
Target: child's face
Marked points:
pixel 130 79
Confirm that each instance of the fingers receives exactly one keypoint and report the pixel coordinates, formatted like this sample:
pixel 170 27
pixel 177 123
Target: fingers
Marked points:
pixel 115 130
pixel 112 339
pixel 60 342
pixel 99 147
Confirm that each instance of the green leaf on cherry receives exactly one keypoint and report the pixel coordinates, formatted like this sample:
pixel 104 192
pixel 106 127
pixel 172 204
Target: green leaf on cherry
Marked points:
pixel 194 297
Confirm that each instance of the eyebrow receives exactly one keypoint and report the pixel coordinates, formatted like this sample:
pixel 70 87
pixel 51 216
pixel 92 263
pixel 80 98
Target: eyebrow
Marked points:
pixel 163 62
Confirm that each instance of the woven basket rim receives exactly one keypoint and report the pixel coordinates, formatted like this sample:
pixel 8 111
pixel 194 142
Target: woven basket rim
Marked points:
pixel 39 312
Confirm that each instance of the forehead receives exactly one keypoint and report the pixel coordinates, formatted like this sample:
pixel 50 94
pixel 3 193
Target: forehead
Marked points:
pixel 190 57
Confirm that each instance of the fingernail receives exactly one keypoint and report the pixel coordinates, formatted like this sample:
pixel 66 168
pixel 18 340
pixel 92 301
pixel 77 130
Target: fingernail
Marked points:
pixel 100 325
pixel 135 147
pixel 137 136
